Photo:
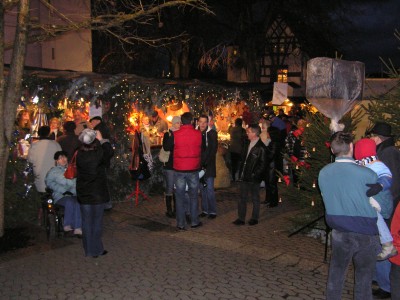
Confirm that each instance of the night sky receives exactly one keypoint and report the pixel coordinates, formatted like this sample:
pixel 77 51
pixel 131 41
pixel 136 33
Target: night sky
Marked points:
pixel 372 35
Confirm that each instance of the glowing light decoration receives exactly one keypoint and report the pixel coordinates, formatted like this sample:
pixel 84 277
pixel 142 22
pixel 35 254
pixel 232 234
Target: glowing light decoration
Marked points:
pixel 223 137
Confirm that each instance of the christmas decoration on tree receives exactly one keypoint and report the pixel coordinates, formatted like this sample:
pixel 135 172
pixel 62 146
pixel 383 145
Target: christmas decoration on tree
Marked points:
pixel 22 202
pixel 122 96
pixel 315 138
pixel 333 87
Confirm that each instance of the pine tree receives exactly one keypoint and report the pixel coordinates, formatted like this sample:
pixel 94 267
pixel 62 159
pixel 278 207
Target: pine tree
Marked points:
pixel 387 108
pixel 305 193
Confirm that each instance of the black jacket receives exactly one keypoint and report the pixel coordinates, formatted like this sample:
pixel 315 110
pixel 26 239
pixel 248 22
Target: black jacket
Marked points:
pixel 390 156
pixel 209 147
pixel 69 143
pixel 105 132
pixel 168 139
pixel 273 158
pixel 252 168
pixel 91 183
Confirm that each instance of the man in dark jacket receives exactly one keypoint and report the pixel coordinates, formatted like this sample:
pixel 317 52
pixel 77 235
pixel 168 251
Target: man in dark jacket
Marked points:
pixel 186 147
pixel 69 142
pixel 387 152
pixel 252 172
pixel 98 124
pixel 209 148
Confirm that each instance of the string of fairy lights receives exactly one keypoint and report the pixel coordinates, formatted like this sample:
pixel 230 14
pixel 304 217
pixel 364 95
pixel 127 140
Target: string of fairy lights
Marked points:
pixel 121 96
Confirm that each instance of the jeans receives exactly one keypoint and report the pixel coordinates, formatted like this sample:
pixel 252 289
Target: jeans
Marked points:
pixel 208 204
pixel 362 250
pixel 108 205
pixel 384 232
pixel 191 179
pixel 395 280
pixel 72 211
pixel 92 223
pixel 246 188
pixel 186 204
pixel 382 274
pixel 382 270
pixel 168 181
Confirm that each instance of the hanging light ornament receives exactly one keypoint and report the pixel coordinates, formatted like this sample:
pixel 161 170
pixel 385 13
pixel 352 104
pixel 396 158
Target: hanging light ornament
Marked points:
pixel 39 120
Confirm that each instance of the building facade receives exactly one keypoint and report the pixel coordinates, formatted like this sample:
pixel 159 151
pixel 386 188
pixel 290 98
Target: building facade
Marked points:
pixel 70 51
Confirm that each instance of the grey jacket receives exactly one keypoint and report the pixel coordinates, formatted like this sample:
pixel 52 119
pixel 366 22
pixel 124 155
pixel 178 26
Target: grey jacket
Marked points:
pixel 56 181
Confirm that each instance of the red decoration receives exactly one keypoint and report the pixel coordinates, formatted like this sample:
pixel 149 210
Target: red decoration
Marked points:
pixel 304 164
pixel 298 132
pixel 286 179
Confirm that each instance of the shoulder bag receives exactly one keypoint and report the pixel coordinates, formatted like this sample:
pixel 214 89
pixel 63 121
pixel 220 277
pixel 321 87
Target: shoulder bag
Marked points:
pixel 71 172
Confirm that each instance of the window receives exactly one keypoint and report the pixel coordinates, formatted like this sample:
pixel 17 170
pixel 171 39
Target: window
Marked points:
pixel 282 75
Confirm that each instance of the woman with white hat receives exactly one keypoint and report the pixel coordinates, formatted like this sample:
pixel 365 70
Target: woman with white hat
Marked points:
pixel 92 189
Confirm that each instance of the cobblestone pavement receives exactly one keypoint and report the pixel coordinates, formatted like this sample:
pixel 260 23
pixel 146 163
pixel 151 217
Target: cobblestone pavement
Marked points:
pixel 149 259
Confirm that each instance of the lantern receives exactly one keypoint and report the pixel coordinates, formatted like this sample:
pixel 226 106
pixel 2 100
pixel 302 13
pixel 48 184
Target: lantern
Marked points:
pixel 334 86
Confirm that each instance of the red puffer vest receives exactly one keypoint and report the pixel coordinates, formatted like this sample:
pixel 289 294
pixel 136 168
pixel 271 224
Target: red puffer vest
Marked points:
pixel 187 149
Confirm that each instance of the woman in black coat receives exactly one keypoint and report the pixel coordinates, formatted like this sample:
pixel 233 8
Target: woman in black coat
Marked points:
pixel 92 189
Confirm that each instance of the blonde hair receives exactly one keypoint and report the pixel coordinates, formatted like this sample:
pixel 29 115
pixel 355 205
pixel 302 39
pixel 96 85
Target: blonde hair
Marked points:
pixel 55 119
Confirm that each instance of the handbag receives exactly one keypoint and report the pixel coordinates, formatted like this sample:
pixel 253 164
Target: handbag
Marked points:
pixel 164 155
pixel 71 172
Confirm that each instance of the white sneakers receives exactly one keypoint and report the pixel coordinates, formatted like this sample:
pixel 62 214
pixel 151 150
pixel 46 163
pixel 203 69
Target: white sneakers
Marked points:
pixel 388 250
pixel 67 228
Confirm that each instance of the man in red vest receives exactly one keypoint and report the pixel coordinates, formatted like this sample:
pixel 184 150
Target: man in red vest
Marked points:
pixel 186 146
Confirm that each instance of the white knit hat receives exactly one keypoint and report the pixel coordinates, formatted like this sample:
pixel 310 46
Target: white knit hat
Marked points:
pixel 176 119
pixel 87 136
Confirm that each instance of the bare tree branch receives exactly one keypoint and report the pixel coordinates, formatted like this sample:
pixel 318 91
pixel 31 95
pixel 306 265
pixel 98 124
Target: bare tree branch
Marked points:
pixel 214 58
pixel 112 22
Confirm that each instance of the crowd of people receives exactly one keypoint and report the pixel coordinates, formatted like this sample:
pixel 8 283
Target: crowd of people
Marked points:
pixel 360 189
pixel 86 196
pixel 361 192
pixel 255 155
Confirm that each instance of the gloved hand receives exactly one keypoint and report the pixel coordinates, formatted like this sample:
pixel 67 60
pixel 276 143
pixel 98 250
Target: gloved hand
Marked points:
pixel 374 188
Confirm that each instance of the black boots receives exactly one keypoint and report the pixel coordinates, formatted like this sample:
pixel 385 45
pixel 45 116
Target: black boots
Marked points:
pixel 168 202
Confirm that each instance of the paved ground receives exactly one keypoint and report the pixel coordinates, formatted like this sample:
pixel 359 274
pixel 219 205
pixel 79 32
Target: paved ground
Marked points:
pixel 149 259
